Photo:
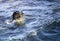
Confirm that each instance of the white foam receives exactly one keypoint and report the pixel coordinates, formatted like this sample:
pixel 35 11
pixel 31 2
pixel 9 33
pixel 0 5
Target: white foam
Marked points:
pixel 17 37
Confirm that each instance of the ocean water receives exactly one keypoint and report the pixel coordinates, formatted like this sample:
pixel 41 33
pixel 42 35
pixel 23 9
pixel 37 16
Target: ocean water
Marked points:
pixel 43 24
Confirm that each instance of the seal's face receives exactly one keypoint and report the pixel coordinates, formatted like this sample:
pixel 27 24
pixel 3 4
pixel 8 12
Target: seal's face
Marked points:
pixel 17 16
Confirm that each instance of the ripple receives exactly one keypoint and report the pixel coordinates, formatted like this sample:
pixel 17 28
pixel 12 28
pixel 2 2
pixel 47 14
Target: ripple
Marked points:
pixel 40 24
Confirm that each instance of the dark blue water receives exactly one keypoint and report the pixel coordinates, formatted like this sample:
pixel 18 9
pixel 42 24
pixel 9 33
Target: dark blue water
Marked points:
pixel 42 25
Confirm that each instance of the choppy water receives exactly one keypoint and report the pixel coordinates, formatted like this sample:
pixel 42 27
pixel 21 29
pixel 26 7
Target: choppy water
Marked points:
pixel 43 25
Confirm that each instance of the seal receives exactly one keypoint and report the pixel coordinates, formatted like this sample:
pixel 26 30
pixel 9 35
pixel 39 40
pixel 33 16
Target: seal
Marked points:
pixel 18 17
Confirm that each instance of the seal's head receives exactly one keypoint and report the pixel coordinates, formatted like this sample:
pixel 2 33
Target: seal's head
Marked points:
pixel 18 17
